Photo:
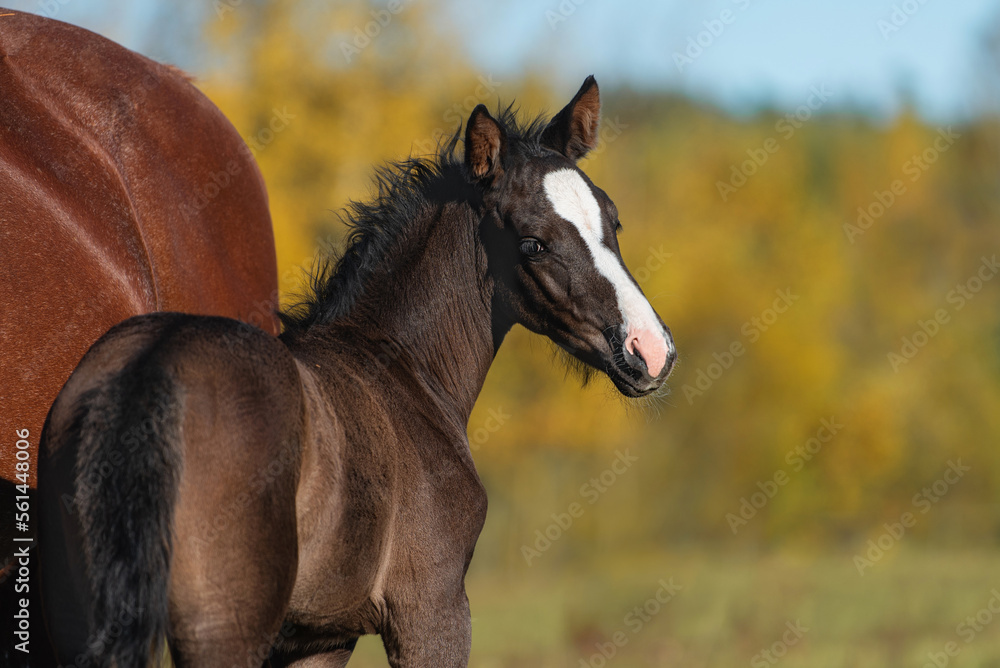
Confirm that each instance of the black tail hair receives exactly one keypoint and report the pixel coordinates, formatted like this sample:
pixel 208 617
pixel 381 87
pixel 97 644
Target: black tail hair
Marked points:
pixel 127 468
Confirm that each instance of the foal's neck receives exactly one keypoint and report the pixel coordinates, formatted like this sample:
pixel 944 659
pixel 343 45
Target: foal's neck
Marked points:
pixel 435 305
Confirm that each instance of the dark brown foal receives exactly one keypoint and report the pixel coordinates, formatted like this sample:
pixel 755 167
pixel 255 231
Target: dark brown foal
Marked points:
pixel 252 496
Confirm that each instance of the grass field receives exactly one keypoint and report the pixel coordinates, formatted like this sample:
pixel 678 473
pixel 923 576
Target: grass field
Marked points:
pixel 814 611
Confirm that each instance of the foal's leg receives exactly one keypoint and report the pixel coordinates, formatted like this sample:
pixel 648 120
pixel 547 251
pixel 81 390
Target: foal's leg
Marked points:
pixel 429 629
pixel 229 591
pixel 234 562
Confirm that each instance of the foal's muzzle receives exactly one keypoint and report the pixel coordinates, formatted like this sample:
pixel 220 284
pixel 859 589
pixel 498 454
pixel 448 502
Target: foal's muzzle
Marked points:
pixel 642 359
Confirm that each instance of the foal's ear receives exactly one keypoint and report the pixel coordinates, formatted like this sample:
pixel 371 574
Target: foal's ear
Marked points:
pixel 485 145
pixel 573 131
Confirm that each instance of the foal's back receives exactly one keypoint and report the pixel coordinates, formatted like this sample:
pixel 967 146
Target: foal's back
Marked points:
pixel 173 429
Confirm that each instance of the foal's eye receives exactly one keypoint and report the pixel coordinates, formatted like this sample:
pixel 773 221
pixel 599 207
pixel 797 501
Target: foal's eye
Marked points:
pixel 618 227
pixel 532 247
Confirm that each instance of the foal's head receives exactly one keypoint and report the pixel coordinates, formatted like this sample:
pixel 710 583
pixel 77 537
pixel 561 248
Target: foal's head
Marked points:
pixel 551 239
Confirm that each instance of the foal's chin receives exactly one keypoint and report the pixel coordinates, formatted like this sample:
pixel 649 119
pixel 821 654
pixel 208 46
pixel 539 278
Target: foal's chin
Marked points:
pixel 634 389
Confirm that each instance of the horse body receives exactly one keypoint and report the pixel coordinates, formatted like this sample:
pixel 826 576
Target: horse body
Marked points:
pixel 123 190
pixel 296 493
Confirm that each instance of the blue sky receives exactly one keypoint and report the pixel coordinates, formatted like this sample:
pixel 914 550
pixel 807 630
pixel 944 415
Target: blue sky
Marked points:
pixel 772 51
pixel 764 51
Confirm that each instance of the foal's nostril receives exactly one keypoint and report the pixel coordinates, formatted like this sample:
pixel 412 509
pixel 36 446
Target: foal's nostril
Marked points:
pixel 632 347
pixel 635 364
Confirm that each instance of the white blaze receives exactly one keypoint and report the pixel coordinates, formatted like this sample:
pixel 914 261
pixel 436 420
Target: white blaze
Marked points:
pixel 572 199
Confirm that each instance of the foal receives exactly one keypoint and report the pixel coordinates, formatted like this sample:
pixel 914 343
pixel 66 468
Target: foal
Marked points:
pixel 236 494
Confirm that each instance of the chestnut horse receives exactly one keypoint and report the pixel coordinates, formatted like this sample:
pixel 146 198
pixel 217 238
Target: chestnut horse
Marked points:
pixel 123 190
pixel 231 495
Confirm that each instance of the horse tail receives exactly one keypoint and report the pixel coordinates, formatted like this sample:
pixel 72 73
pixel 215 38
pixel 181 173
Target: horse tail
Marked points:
pixel 128 435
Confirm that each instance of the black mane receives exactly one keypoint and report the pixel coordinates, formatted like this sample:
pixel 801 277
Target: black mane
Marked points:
pixel 403 190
